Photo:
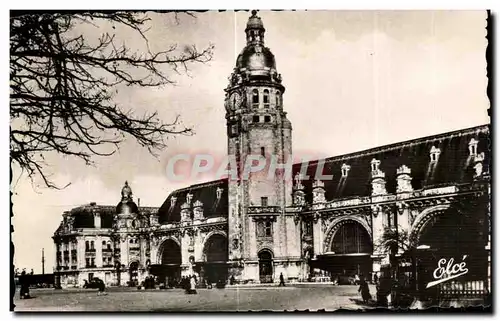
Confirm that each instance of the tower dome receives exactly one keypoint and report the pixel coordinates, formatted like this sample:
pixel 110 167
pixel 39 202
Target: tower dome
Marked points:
pixel 256 60
pixel 254 21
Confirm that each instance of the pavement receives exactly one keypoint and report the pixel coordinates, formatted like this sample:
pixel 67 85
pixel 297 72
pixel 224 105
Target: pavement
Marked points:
pixel 288 298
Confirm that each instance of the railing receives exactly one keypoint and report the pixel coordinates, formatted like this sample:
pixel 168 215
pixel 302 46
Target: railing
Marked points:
pixel 264 210
pixel 462 289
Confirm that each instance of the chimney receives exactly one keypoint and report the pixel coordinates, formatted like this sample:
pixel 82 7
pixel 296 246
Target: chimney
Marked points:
pixel 138 202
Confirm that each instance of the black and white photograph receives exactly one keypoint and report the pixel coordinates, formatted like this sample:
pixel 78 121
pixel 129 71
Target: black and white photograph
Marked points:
pixel 250 160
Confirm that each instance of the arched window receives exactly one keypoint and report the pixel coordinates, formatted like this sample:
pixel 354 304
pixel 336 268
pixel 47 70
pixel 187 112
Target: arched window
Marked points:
pixel 87 247
pixel 91 245
pixel 278 99
pixel 255 98
pixel 266 98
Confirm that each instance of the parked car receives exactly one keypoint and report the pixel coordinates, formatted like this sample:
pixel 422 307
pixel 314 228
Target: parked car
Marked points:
pixel 95 283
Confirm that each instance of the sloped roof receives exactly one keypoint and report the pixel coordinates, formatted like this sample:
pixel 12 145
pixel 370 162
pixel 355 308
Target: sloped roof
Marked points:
pixel 83 217
pixel 206 193
pixel 454 164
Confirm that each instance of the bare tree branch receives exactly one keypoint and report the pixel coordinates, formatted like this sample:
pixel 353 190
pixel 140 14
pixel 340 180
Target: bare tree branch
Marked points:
pixel 62 88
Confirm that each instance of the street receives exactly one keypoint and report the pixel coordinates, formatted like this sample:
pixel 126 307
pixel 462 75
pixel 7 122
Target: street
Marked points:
pixel 287 298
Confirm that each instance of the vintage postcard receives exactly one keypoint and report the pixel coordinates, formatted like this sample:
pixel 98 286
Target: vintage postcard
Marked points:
pixel 249 160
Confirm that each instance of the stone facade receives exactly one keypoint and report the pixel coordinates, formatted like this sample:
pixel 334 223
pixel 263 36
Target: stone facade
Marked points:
pixel 254 229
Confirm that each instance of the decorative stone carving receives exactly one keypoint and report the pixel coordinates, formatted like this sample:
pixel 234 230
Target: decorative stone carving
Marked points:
pixel 376 209
pixel 235 244
pixel 316 217
pixel 478 166
pixel 299 198
pixel 185 213
pixel 198 210
pixel 318 192
pixel 153 219
pixel 378 179
pixel 404 179
pixel 296 218
pixel 298 182
pixel 401 207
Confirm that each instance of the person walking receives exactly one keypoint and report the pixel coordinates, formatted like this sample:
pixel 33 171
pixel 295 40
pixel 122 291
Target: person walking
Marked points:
pixel 101 288
pixel 364 289
pixel 192 285
pixel 282 280
pixel 25 286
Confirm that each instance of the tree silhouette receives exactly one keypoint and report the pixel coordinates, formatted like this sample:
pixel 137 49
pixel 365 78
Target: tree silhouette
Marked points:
pixel 63 84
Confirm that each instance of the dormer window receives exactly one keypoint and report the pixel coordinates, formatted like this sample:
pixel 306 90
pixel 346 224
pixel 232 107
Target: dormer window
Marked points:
pixel 189 198
pixel 172 201
pixel 255 98
pixel 375 165
pixel 219 192
pixel 345 170
pixel 434 154
pixel 278 99
pixel 266 98
pixel 473 147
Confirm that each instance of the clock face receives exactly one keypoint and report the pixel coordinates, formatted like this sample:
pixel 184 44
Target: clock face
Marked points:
pixel 235 101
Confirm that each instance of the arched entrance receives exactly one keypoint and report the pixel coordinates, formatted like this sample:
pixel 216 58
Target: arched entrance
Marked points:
pixel 450 234
pixel 169 269
pixel 265 266
pixel 215 252
pixel 350 250
pixel 133 272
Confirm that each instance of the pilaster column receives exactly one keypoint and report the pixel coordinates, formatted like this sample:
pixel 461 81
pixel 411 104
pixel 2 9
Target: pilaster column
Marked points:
pixel 98 251
pixel 317 234
pixel 80 252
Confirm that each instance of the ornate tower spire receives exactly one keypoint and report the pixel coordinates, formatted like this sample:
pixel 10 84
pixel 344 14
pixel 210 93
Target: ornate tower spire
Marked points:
pixel 255 30
pixel 126 192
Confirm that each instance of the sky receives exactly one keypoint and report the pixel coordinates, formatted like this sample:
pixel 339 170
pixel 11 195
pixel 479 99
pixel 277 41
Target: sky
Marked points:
pixel 354 80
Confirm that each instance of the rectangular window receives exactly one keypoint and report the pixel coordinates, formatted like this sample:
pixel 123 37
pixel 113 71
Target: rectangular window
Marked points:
pixel 269 229
pixel 264 229
pixel 256 119
pixel 263 201
pixel 263 151
pixel 267 119
pixel 87 262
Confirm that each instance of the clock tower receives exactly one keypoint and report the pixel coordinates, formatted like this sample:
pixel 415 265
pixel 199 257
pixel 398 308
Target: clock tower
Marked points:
pixel 258 133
